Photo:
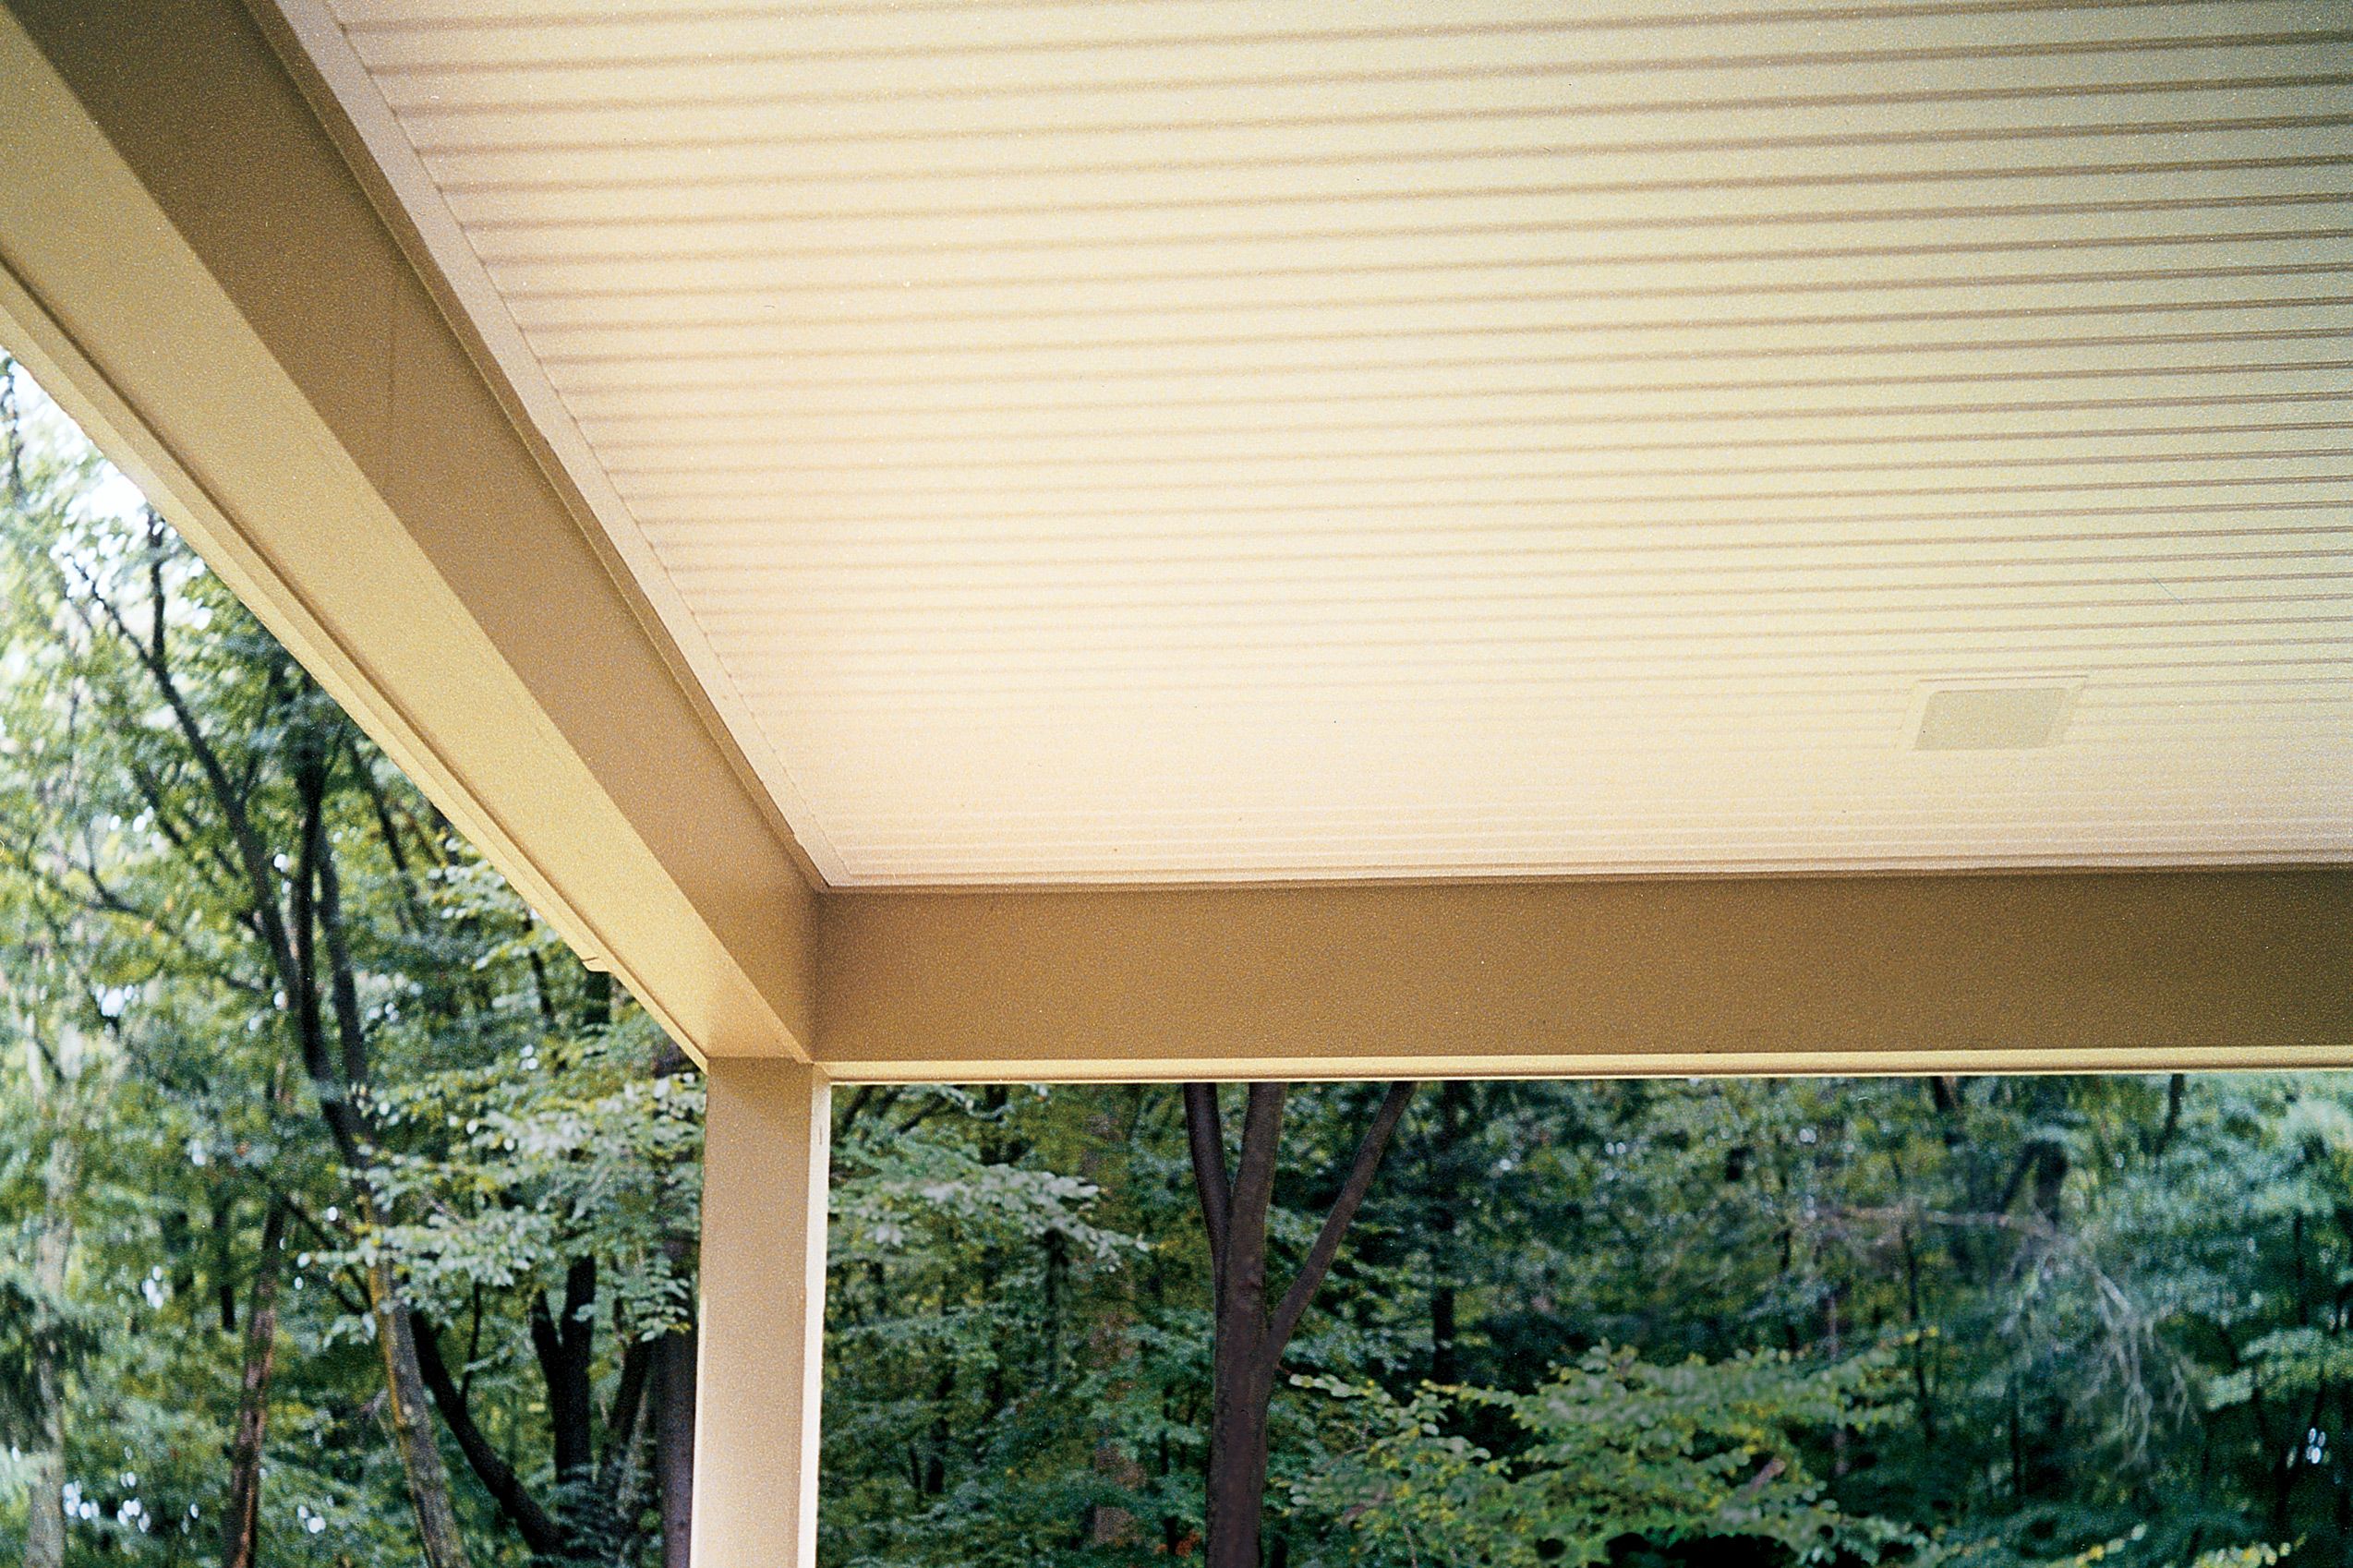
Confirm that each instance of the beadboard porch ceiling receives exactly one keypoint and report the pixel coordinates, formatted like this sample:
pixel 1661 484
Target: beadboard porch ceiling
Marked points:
pixel 1206 440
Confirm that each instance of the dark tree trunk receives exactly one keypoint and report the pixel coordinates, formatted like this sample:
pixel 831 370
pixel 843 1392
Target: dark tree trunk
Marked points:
pixel 412 1426
pixel 241 1526
pixel 622 1474
pixel 319 920
pixel 1923 1392
pixel 2176 1087
pixel 291 934
pixel 674 1442
pixel 1242 1363
pixel 931 1478
pixel 53 1250
pixel 225 1286
pixel 1446 1186
pixel 1248 1335
pixel 534 1524
pixel 565 1343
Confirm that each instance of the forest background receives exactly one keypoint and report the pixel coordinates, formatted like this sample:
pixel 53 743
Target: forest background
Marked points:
pixel 350 1221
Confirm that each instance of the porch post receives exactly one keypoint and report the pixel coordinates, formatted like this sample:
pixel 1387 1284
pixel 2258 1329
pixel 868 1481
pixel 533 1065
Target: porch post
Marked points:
pixel 765 1133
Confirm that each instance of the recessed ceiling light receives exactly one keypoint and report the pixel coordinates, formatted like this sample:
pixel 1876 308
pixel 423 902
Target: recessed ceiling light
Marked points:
pixel 1992 717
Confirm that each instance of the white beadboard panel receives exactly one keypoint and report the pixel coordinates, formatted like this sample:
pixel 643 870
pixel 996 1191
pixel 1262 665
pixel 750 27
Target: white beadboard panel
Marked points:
pixel 1142 441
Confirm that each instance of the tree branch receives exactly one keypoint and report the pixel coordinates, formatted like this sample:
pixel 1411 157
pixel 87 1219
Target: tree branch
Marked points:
pixel 405 878
pixel 622 1419
pixel 563 1343
pixel 2176 1087
pixel 343 983
pixel 535 1525
pixel 1207 1135
pixel 1254 1187
pixel 179 834
pixel 251 854
pixel 1317 1264
pixel 102 899
pixel 302 989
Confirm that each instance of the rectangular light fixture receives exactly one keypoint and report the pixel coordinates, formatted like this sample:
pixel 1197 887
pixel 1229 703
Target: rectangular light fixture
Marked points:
pixel 1992 717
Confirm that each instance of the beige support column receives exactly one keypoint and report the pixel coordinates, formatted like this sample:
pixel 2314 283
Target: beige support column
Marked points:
pixel 765 1140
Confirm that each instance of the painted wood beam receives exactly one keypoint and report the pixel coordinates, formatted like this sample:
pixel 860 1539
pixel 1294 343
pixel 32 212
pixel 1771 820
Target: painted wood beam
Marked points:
pixel 1946 973
pixel 190 266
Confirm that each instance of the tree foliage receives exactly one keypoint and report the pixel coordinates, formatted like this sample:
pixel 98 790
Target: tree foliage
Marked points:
pixel 1608 1448
pixel 1999 1322
pixel 297 1054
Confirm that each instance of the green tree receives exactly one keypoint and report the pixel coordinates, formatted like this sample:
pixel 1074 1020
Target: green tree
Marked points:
pixel 311 997
pixel 1610 1449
